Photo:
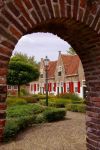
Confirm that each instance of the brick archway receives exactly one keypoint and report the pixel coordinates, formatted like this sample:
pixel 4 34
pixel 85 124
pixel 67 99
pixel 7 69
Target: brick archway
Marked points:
pixel 77 22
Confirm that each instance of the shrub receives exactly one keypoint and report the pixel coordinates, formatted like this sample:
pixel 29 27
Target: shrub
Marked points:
pixel 81 108
pixel 31 99
pixel 13 126
pixel 12 100
pixel 76 107
pixel 24 110
pixel 56 102
pixel 40 118
pixel 72 96
pixel 41 96
pixel 24 92
pixel 54 114
pixel 11 129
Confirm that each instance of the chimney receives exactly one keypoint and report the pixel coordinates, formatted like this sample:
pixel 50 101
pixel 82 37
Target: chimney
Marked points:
pixel 59 53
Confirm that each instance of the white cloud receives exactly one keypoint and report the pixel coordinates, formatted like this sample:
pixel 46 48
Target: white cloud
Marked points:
pixel 41 44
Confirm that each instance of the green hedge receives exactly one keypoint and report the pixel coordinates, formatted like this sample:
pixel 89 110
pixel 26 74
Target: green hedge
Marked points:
pixel 76 107
pixel 13 126
pixel 72 96
pixel 59 102
pixel 24 110
pixel 12 100
pixel 31 99
pixel 54 114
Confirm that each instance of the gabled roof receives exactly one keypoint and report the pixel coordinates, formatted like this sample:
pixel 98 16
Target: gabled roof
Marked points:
pixel 51 69
pixel 71 64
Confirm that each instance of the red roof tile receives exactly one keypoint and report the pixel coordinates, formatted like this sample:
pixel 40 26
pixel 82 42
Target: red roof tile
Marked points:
pixel 51 69
pixel 71 63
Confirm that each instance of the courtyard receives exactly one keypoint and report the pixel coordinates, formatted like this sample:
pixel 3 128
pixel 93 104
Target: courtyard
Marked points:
pixel 68 134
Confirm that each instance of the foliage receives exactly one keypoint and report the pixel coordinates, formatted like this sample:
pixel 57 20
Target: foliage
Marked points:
pixel 13 126
pixel 21 71
pixel 22 116
pixel 24 110
pixel 71 51
pixel 73 97
pixel 62 100
pixel 24 92
pixel 54 114
pixel 31 99
pixel 40 118
pixel 76 107
pixel 24 58
pixel 12 100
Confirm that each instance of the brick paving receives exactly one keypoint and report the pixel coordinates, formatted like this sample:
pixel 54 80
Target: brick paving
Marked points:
pixel 68 134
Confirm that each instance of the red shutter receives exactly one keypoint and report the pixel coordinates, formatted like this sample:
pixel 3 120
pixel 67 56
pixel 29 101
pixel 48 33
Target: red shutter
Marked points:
pixel 55 87
pixel 34 87
pixel 78 87
pixel 72 87
pixel 49 87
pixel 64 87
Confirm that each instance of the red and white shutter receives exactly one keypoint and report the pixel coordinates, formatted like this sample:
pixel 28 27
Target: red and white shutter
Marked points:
pixel 78 87
pixel 64 87
pixel 34 87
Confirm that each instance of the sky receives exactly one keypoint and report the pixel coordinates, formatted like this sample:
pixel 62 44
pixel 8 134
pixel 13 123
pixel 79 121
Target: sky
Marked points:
pixel 40 45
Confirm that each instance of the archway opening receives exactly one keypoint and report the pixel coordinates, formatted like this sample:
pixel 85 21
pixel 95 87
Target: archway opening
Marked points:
pixel 71 79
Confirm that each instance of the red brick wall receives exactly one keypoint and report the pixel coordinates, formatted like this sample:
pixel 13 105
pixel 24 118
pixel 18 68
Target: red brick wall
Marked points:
pixel 76 21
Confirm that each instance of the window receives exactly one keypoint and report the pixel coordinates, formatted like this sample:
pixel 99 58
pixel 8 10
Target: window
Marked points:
pixel 76 89
pixel 68 89
pixel 59 73
pixel 41 75
pixel 15 87
pixel 9 87
pixel 62 84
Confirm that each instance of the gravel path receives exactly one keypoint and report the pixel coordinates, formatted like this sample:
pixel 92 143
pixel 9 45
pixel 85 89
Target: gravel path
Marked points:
pixel 68 134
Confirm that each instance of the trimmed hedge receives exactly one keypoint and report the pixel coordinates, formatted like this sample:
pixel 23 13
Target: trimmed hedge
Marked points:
pixel 54 114
pixel 12 100
pixel 14 125
pixel 24 110
pixel 76 107
pixel 72 96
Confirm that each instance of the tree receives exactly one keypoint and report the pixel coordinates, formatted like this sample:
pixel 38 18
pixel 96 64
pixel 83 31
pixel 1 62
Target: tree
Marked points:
pixel 71 51
pixel 24 58
pixel 21 72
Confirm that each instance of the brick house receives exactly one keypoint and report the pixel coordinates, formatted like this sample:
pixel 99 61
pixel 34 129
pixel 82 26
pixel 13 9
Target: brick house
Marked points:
pixel 64 75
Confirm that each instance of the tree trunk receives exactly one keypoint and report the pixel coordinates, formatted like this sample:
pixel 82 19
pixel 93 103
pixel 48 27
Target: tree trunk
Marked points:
pixel 18 90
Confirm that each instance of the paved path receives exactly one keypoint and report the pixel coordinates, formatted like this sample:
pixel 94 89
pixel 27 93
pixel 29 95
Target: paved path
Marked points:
pixel 63 135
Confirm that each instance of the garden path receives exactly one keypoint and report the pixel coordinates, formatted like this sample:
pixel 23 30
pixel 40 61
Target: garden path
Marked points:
pixel 68 134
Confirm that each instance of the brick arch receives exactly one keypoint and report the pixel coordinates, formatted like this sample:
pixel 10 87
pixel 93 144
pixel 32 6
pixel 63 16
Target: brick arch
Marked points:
pixel 75 21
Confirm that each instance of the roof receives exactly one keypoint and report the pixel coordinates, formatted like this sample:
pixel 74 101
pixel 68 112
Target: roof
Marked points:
pixel 51 69
pixel 71 64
